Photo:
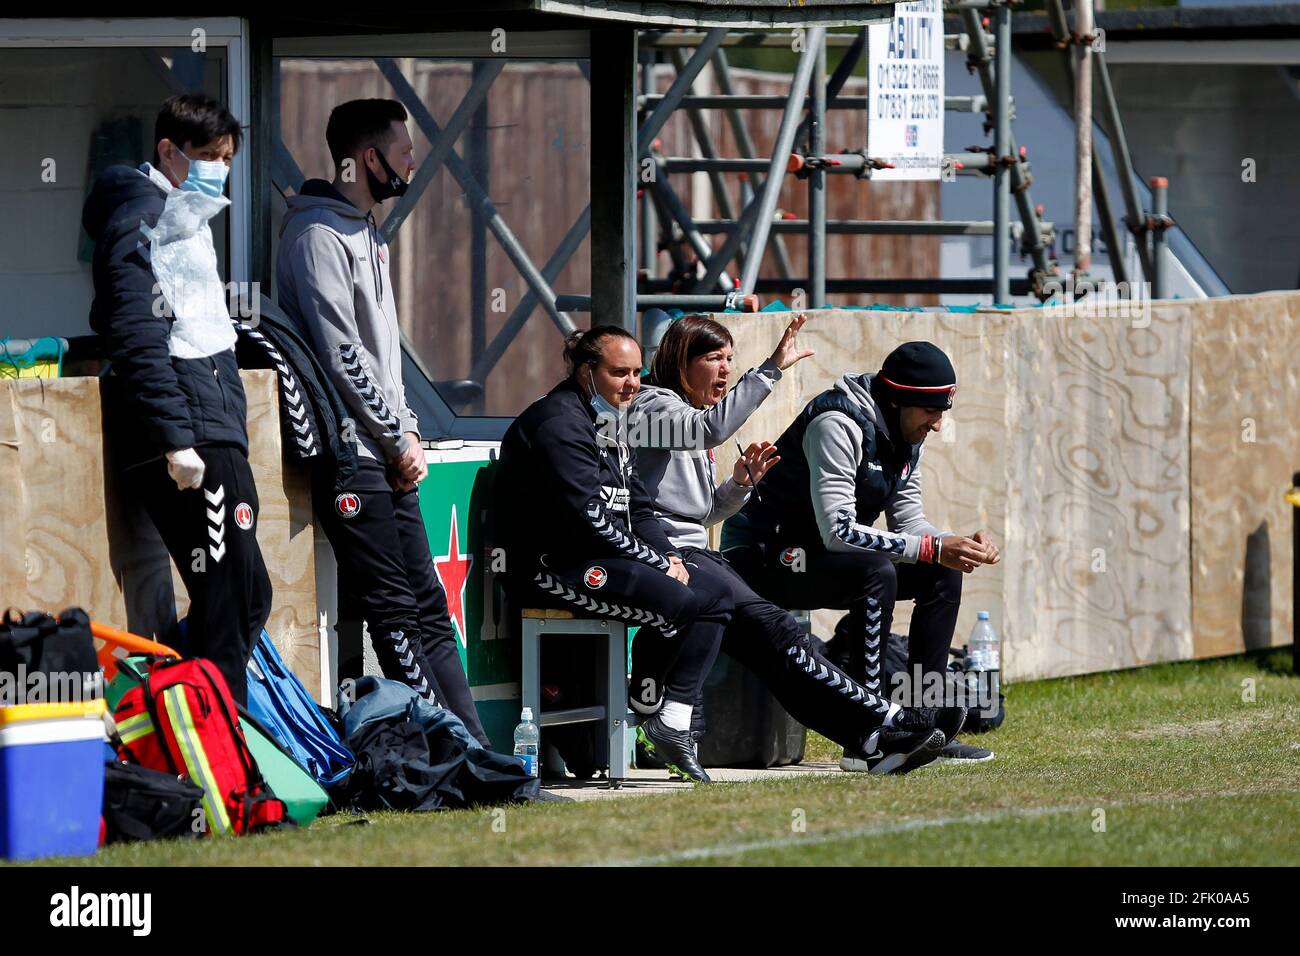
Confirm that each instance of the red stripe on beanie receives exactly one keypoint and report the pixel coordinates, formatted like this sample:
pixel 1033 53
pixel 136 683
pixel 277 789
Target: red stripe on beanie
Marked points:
pixel 917 388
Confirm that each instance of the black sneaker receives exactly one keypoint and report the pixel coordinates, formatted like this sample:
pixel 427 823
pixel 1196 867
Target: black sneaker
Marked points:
pixel 947 721
pixel 915 739
pixel 957 752
pixel 914 719
pixel 676 748
pixel 893 749
pixel 912 732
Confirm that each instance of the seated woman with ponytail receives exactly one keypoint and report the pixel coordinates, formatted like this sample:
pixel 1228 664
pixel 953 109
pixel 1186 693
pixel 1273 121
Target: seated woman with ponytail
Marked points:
pixel 676 423
pixel 579 534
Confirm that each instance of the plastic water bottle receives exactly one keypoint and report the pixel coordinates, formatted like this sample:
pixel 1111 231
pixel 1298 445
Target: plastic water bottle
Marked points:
pixel 527 738
pixel 984 656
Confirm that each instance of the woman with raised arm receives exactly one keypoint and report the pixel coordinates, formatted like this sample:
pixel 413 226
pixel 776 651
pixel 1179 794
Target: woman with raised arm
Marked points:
pixel 676 423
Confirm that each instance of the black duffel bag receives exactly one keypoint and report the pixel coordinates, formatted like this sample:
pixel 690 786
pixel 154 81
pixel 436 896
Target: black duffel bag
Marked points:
pixel 977 721
pixel 38 643
pixel 145 804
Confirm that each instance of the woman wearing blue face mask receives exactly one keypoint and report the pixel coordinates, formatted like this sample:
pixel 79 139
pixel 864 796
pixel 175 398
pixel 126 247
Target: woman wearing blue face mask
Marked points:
pixel 175 404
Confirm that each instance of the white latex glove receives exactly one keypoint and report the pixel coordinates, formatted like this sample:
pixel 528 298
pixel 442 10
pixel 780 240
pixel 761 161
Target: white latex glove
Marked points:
pixel 186 468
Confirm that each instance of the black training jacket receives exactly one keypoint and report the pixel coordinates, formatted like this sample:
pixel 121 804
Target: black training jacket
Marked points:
pixel 312 412
pixel 157 402
pixel 563 493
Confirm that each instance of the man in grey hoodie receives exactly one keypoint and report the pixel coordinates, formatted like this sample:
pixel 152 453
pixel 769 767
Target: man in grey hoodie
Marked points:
pixel 851 454
pixel 332 278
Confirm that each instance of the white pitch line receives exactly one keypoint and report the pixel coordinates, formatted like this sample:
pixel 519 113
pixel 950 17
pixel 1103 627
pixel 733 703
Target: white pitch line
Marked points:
pixel 925 823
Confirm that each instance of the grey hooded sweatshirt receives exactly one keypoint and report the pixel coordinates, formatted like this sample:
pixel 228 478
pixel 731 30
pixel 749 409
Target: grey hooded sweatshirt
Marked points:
pixel 331 277
pixel 832 445
pixel 674 444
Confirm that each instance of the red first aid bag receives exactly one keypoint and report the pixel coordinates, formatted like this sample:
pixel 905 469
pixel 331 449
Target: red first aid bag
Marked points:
pixel 182 720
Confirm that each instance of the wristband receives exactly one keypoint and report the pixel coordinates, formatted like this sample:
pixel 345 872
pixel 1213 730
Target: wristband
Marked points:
pixel 925 554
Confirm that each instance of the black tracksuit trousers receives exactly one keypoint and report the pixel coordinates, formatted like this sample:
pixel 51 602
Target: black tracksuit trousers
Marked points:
pixel 680 626
pixel 867 586
pixel 211 534
pixel 768 641
pixel 386 574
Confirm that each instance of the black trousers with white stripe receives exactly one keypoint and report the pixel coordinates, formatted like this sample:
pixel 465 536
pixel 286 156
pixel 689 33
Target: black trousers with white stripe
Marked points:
pixel 211 534
pixel 386 574
pixel 768 641
pixel 680 625
pixel 867 586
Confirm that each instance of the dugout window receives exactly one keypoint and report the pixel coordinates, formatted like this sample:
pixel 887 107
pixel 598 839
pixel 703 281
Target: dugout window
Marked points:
pixel 506 191
pixel 77 96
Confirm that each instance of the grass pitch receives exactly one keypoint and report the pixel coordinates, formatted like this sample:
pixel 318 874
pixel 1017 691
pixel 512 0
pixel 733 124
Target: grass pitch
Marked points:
pixel 1192 763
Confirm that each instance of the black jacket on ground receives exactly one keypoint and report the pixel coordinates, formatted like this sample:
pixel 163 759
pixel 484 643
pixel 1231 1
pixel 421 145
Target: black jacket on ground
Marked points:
pixel 565 493
pixel 156 402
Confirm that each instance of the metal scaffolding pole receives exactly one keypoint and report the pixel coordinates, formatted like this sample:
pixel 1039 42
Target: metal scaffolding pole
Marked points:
pixel 878 227
pixel 670 100
pixel 677 209
pixel 477 200
pixel 1123 163
pixel 1159 226
pixel 1083 139
pixel 1033 241
pixel 510 328
pixel 960 286
pixel 442 144
pixel 700 128
pixel 1101 189
pixel 765 101
pixel 742 38
pixel 836 163
pixel 681 264
pixel 745 143
pixel 1002 151
pixel 480 163
pixel 648 221
pixel 673 300
pixel 715 263
pixel 780 154
pixel 830 91
pixel 817 184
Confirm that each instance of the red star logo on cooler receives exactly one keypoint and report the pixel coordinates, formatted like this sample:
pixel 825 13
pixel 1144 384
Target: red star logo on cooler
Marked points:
pixel 453 572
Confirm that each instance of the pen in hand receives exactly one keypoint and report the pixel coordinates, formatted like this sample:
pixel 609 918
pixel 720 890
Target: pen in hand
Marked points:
pixel 753 482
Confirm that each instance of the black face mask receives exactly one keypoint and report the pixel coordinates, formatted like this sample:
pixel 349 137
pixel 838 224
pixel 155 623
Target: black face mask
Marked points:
pixel 382 189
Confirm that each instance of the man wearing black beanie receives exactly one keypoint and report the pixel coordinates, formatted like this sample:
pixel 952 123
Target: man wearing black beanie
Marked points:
pixel 807 542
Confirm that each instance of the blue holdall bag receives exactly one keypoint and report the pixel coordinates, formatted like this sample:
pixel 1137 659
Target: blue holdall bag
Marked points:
pixel 277 699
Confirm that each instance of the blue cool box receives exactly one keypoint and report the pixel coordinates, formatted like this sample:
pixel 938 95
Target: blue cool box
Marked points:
pixel 51 779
